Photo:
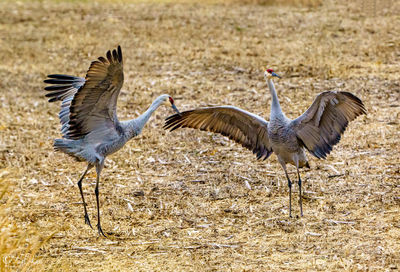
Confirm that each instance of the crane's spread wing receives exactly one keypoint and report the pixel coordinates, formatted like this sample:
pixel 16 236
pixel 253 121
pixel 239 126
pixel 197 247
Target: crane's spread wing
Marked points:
pixel 247 129
pixel 321 126
pixel 94 104
pixel 63 88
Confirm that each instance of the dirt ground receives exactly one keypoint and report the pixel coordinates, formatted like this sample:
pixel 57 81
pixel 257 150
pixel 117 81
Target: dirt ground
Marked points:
pixel 190 200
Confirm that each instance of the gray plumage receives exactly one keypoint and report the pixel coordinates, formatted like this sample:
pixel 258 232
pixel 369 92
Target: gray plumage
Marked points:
pixel 317 130
pixel 89 123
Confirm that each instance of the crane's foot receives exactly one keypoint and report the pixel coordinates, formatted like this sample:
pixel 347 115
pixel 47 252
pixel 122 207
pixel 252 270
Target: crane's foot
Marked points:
pixel 87 221
pixel 100 230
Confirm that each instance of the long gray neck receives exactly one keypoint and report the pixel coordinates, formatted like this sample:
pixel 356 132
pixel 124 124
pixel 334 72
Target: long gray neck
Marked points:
pixel 275 106
pixel 135 126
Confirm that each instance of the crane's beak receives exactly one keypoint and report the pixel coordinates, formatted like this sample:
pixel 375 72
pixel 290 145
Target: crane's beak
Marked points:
pixel 175 109
pixel 171 100
pixel 275 75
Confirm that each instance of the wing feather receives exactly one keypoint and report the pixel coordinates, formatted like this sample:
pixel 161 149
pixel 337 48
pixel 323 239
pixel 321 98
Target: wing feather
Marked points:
pixel 88 104
pixel 243 127
pixel 94 105
pixel 322 125
pixel 63 88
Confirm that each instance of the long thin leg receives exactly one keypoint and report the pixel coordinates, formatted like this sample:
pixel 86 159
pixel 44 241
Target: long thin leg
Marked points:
pixel 290 193
pixel 87 221
pixel 289 185
pixel 99 167
pixel 300 198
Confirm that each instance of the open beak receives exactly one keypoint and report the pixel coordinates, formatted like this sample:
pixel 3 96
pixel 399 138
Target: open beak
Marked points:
pixel 275 75
pixel 175 109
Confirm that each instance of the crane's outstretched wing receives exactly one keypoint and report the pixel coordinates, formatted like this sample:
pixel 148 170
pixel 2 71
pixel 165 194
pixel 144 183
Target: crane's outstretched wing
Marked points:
pixel 64 88
pixel 88 103
pixel 321 126
pixel 94 104
pixel 247 129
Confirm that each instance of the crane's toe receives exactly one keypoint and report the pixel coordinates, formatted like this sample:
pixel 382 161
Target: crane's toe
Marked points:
pixel 87 220
pixel 100 230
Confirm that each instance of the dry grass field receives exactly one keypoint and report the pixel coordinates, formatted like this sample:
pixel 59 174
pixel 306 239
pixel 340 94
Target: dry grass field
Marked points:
pixel 179 201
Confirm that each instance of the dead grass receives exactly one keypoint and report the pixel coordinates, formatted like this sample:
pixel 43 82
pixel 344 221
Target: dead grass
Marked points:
pixel 191 210
pixel 19 242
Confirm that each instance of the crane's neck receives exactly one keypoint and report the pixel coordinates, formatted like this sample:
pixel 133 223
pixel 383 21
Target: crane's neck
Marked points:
pixel 135 126
pixel 275 106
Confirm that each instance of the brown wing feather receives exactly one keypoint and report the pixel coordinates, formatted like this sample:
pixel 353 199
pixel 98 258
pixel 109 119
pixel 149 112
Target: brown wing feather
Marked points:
pixel 249 130
pixel 321 126
pixel 94 105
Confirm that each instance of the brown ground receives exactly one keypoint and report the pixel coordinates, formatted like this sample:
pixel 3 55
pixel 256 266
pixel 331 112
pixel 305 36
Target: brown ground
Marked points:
pixel 179 201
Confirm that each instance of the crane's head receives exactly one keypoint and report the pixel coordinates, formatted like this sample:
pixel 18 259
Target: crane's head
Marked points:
pixel 171 100
pixel 269 73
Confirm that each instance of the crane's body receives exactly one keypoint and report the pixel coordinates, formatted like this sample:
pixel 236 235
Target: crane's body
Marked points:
pixel 90 126
pixel 284 142
pixel 98 144
pixel 317 130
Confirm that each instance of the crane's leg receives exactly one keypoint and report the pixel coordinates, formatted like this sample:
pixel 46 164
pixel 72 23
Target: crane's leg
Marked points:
pixel 99 167
pixel 289 184
pixel 87 221
pixel 300 198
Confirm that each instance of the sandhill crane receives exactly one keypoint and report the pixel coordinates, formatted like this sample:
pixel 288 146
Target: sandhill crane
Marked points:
pixel 317 130
pixel 90 127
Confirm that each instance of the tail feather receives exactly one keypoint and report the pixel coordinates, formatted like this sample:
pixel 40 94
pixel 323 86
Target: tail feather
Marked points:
pixel 62 145
pixel 67 146
pixel 72 148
